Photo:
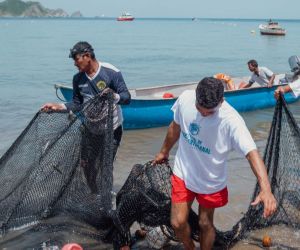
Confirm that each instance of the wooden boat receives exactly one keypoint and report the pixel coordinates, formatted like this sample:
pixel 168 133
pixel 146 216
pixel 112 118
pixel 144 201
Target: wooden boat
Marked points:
pixel 151 107
pixel 272 28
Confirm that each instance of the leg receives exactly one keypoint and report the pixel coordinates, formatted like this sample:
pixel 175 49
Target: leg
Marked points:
pixel 179 222
pixel 207 230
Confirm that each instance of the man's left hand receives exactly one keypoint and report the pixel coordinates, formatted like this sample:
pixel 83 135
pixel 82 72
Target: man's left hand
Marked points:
pixel 268 199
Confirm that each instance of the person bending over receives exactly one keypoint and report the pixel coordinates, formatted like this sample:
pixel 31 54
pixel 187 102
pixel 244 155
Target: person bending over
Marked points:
pixel 262 75
pixel 207 128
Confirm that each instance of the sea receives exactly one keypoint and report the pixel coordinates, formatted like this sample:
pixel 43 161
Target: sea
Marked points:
pixel 149 52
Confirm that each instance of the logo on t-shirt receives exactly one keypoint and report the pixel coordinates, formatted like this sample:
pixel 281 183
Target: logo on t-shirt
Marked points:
pixel 101 85
pixel 194 128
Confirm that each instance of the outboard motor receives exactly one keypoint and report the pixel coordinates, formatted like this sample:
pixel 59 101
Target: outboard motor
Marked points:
pixel 294 62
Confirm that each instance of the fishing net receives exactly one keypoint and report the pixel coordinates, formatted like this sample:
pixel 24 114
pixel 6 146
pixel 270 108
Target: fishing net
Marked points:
pixel 57 177
pixel 60 167
pixel 282 159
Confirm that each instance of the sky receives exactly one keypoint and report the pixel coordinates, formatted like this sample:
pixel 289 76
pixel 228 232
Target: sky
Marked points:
pixel 253 9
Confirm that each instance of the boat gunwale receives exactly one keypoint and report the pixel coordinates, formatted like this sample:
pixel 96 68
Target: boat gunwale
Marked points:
pixel 230 92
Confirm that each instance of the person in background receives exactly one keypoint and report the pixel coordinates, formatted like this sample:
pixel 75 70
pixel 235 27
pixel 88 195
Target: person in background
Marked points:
pixel 207 129
pixel 228 82
pixel 293 82
pixel 95 77
pixel 262 75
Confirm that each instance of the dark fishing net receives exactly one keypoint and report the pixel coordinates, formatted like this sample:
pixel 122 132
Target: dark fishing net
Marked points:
pixel 60 167
pixel 282 159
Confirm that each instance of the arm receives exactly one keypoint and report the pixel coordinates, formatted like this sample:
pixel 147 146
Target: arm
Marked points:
pixel 122 95
pixel 271 81
pixel 170 140
pixel 265 196
pixel 248 85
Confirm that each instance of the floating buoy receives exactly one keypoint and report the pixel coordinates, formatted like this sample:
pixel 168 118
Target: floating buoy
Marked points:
pixel 266 241
pixel 168 95
pixel 72 246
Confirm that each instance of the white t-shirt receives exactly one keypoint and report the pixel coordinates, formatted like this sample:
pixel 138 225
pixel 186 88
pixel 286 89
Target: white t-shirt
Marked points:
pixel 263 77
pixel 295 86
pixel 205 143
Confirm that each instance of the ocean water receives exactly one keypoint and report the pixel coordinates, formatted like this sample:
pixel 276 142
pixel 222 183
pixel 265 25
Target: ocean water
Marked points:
pixel 149 52
pixel 34 55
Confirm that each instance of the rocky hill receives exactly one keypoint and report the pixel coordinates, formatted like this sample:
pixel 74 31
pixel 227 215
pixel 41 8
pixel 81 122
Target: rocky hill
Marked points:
pixel 18 8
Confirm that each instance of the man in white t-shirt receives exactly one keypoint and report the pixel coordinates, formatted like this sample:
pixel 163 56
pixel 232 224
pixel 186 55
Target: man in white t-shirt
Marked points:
pixel 207 128
pixel 261 75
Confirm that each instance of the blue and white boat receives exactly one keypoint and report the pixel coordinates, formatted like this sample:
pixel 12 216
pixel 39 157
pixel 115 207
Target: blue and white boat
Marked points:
pixel 151 107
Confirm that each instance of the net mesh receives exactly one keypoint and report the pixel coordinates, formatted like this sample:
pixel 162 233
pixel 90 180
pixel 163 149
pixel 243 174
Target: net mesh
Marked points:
pixel 61 165
pixel 57 177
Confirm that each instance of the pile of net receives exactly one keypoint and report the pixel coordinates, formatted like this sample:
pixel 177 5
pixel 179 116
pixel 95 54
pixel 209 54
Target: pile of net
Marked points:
pixel 57 178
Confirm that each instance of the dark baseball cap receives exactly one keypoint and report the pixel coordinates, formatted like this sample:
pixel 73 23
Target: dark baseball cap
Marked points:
pixel 80 48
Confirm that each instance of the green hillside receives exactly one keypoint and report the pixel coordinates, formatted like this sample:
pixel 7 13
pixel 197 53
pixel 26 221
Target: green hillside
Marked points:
pixel 18 7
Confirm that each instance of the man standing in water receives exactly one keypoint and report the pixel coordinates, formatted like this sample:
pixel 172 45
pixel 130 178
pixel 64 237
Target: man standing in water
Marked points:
pixel 262 75
pixel 207 128
pixel 93 78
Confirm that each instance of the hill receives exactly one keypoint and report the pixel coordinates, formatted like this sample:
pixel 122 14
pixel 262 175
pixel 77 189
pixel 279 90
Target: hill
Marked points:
pixel 18 8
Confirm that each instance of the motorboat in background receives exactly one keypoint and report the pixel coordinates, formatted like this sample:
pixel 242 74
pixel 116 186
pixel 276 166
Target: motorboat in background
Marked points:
pixel 272 28
pixel 125 17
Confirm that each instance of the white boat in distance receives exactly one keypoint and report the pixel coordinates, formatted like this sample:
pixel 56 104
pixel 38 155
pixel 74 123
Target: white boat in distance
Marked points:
pixel 125 17
pixel 272 28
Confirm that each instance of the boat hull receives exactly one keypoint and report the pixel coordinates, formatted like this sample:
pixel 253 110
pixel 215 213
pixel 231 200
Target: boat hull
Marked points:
pixel 125 19
pixel 272 33
pixel 149 113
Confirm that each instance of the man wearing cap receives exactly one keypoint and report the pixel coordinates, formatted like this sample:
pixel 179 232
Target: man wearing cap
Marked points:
pixel 93 78
pixel 207 129
pixel 261 75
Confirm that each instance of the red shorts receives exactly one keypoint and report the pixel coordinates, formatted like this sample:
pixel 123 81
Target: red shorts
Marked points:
pixel 181 194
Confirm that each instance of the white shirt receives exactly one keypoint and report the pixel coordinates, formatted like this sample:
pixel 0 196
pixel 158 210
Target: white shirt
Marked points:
pixel 295 86
pixel 263 77
pixel 205 143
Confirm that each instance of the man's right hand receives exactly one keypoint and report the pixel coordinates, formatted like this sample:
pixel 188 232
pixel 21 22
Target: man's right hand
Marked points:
pixel 160 158
pixel 53 107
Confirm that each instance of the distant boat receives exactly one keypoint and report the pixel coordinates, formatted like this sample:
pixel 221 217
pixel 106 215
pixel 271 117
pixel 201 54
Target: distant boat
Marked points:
pixel 272 28
pixel 125 17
